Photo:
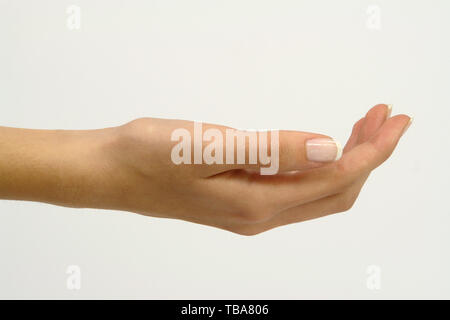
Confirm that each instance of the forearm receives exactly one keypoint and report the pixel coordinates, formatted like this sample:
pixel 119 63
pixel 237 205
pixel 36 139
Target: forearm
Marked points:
pixel 56 166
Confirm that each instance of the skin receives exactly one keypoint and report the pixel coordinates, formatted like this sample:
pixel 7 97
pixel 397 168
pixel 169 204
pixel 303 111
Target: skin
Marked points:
pixel 129 168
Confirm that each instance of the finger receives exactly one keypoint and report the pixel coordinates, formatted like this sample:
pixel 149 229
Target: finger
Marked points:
pixel 363 129
pixel 308 211
pixel 370 154
pixel 374 119
pixel 383 142
pixel 296 158
pixel 369 125
pixel 274 194
pixel 353 140
pixel 286 190
pixel 269 153
pixel 384 139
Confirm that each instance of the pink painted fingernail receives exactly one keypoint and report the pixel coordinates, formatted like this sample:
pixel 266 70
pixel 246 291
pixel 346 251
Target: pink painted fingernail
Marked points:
pixel 323 150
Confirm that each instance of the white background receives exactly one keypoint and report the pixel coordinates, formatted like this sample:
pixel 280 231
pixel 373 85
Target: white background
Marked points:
pixel 303 65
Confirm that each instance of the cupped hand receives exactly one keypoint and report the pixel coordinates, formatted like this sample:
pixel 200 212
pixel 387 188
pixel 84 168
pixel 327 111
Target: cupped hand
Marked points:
pixel 138 174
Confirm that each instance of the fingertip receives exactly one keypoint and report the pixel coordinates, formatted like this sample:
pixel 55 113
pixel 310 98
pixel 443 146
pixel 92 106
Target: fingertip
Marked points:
pixel 408 124
pixel 401 119
pixel 392 130
pixel 389 110
pixel 379 147
pixel 384 108
pixel 380 111
pixel 339 150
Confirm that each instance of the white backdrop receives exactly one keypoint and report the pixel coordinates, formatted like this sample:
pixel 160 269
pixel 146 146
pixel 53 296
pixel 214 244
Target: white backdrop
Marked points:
pixel 304 65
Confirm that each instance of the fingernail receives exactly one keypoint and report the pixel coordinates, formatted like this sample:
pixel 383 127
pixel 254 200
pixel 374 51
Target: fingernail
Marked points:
pixel 407 125
pixel 323 150
pixel 389 110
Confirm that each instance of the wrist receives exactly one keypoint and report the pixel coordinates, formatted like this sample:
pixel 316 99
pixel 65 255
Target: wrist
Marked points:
pixel 63 167
pixel 88 169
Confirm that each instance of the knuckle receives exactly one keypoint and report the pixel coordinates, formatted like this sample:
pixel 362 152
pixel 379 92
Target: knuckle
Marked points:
pixel 346 202
pixel 132 130
pixel 137 124
pixel 342 175
pixel 347 172
pixel 254 214
pixel 340 170
pixel 253 210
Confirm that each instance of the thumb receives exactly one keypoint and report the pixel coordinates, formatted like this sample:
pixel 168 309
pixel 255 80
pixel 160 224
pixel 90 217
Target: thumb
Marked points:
pixel 282 151
pixel 304 150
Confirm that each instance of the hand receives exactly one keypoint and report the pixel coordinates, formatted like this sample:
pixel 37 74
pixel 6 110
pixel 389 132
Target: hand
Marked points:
pixel 130 168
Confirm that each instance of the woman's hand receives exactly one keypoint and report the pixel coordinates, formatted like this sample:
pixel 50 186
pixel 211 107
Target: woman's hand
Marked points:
pixel 132 168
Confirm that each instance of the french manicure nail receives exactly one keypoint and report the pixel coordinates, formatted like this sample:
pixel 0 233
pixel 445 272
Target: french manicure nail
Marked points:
pixel 323 150
pixel 407 125
pixel 389 110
